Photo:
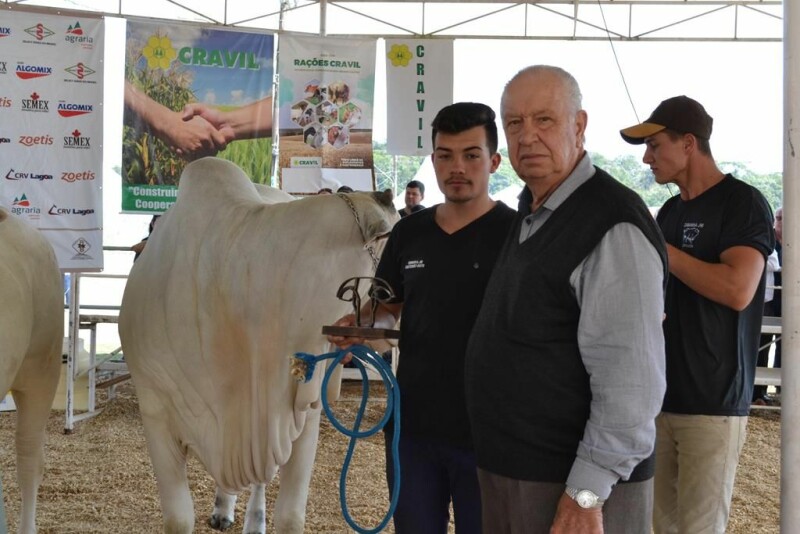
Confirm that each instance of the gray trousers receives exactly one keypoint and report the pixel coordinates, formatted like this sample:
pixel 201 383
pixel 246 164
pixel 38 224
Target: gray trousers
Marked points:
pixel 513 506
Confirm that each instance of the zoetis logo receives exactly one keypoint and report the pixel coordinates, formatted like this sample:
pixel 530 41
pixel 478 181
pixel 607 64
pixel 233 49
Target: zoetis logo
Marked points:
pixel 35 104
pixel 55 210
pixel 5 102
pixel 81 176
pixel 14 175
pixel 27 72
pixel 30 140
pixel 80 71
pixel 76 140
pixel 40 32
pixel 68 109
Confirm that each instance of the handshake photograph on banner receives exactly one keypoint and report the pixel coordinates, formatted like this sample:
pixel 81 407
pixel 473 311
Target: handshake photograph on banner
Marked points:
pixel 200 130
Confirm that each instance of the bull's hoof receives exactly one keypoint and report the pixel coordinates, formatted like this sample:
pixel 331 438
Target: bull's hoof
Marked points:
pixel 220 523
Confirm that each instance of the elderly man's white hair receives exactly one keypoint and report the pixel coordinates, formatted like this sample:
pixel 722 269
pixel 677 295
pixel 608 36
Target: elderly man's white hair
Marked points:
pixel 570 83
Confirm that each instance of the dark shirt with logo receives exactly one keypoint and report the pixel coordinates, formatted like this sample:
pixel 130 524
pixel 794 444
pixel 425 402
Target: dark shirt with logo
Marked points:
pixel 440 278
pixel 711 348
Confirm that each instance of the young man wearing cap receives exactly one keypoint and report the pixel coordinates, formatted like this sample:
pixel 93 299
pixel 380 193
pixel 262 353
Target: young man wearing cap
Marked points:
pixel 719 234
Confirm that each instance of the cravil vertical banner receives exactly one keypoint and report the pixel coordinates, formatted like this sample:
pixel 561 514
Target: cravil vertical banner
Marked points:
pixel 326 94
pixel 419 82
pixel 51 130
pixel 192 92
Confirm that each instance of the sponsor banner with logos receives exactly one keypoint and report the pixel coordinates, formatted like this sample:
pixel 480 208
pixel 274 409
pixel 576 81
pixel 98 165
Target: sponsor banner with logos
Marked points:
pixel 326 102
pixel 189 92
pixel 419 82
pixel 51 130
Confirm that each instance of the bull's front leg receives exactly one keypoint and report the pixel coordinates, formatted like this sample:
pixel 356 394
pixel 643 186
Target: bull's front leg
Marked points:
pixel 169 464
pixel 295 477
pixel 222 516
pixel 255 519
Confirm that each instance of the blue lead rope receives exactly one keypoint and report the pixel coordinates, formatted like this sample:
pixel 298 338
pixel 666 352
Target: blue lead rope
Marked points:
pixel 361 355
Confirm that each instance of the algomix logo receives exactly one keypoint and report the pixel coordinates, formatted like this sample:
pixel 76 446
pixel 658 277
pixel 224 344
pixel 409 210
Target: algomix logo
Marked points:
pixel 30 140
pixel 55 210
pixel 35 104
pixel 80 71
pixel 68 109
pixel 28 72
pixel 14 175
pixel 3 67
pixel 40 32
pixel 76 140
pixel 22 206
pixel 81 176
pixel 5 31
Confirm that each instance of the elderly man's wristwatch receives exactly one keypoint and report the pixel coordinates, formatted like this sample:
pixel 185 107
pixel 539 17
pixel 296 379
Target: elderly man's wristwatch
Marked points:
pixel 585 498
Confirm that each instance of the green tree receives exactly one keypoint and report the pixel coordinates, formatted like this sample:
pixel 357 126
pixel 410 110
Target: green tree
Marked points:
pixel 407 167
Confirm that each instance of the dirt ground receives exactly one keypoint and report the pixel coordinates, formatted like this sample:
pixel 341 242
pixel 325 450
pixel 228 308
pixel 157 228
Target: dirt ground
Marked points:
pixel 99 478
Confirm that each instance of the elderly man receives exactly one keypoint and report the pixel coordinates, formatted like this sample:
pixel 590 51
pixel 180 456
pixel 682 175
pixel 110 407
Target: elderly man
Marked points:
pixel 565 364
pixel 719 232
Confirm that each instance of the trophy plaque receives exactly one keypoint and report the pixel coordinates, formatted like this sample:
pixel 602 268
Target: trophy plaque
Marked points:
pixel 378 291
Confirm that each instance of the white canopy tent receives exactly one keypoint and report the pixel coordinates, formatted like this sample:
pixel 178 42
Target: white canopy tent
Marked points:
pixel 576 20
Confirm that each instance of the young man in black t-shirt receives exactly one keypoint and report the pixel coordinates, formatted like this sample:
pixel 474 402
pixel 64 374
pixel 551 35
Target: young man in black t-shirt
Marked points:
pixel 719 233
pixel 438 263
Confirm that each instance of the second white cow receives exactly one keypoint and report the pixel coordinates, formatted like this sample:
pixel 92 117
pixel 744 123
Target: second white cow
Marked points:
pixel 229 287
pixel 31 334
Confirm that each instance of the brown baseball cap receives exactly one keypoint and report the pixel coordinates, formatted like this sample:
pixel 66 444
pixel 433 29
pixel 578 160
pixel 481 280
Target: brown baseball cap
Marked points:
pixel 679 113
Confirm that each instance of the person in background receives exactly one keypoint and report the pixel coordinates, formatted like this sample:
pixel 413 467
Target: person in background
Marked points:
pixel 565 364
pixel 771 309
pixel 345 189
pixel 325 191
pixel 138 248
pixel 438 263
pixel 719 234
pixel 415 193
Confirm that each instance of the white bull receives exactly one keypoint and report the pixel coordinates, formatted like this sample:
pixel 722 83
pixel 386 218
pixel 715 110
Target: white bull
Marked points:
pixel 229 287
pixel 31 334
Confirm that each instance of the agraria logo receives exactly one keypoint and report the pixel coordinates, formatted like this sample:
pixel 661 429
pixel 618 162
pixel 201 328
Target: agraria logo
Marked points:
pixel 35 104
pixel 75 34
pixel 40 32
pixel 21 201
pixel 22 206
pixel 81 246
pixel 80 71
pixel 76 140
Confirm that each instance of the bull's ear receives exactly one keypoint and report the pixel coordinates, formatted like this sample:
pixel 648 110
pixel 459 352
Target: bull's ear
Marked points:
pixel 384 198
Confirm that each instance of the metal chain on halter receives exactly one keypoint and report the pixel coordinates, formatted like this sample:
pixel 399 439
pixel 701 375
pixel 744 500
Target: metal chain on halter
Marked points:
pixel 367 246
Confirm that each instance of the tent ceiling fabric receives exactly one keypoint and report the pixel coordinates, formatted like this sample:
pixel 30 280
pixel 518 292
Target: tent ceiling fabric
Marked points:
pixel 626 20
